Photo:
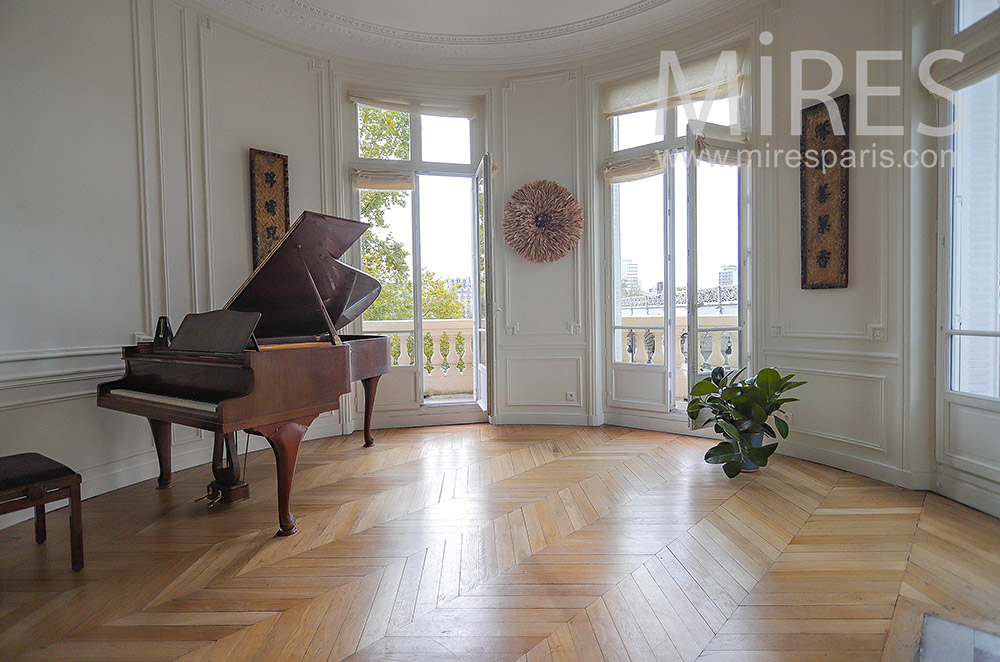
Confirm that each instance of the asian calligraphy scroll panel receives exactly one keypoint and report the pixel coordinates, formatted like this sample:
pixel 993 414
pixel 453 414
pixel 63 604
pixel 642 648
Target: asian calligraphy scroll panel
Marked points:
pixel 268 201
pixel 823 183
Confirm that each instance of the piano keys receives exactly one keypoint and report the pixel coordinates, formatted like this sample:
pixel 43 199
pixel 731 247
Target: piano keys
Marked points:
pixel 268 363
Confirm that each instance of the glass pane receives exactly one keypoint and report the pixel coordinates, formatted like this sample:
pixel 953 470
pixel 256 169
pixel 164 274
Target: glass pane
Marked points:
pixel 720 112
pixel 974 365
pixel 635 129
pixel 481 239
pixel 639 246
pixel 445 139
pixel 386 254
pixel 383 134
pixel 975 294
pixel 970 11
pixel 446 213
pixel 680 301
pixel 718 245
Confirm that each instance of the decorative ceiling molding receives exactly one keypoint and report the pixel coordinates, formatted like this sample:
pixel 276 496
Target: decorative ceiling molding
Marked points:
pixel 369 40
pixel 502 38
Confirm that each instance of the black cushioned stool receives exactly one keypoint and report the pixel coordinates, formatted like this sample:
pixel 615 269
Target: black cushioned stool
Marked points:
pixel 33 480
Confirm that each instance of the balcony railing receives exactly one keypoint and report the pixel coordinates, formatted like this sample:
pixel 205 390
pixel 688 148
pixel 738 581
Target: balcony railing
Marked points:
pixel 715 348
pixel 445 353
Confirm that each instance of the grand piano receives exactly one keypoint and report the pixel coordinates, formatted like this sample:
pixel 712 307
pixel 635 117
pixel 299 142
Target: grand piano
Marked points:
pixel 268 363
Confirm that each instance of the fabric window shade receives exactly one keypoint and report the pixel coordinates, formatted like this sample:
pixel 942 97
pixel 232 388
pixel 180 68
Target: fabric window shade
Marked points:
pixel 715 143
pixel 627 170
pixel 438 107
pixel 381 180
pixel 632 96
pixel 719 76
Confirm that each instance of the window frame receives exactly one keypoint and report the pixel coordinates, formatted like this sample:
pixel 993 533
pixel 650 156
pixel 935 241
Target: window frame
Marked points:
pixel 415 166
pixel 946 395
pixel 670 146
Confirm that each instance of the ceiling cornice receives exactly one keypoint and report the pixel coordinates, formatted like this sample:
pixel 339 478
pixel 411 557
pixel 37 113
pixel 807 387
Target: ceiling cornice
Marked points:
pixel 305 24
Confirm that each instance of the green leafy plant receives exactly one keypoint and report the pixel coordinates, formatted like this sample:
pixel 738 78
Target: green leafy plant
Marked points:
pixel 740 409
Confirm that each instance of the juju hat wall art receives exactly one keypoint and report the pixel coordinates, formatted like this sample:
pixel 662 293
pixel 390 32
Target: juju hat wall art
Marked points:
pixel 542 221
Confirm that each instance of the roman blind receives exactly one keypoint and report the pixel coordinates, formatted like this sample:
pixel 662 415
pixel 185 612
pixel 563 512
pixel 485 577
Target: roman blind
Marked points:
pixel 438 107
pixel 719 76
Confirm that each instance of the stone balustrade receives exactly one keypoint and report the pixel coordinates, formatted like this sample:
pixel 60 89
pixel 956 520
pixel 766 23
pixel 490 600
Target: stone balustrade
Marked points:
pixel 445 352
pixel 712 345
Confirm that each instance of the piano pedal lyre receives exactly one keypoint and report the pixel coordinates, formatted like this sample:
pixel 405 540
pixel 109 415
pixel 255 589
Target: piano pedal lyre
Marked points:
pixel 226 494
pixel 211 496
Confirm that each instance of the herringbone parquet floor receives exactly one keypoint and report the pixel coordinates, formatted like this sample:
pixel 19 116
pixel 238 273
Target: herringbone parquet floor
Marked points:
pixel 529 543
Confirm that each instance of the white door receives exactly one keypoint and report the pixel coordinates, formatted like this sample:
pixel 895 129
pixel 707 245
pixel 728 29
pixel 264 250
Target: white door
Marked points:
pixel 482 295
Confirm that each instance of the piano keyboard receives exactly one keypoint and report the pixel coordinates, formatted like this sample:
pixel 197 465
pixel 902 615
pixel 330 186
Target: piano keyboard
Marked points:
pixel 166 400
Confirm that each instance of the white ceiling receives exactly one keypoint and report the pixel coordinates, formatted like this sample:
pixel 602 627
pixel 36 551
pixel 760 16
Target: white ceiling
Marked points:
pixel 467 34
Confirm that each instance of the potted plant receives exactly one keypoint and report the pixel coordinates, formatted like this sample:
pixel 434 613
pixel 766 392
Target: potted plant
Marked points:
pixel 740 410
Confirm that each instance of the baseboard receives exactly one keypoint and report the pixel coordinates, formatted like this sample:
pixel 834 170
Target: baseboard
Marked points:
pixel 670 423
pixel 539 418
pixel 968 489
pixel 434 415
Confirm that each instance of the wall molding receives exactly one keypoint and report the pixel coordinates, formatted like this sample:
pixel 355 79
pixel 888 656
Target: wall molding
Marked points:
pixel 885 358
pixel 882 444
pixel 513 401
pixel 875 330
pixel 573 326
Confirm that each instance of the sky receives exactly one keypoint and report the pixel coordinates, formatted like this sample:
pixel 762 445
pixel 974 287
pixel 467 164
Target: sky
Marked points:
pixel 446 202
pixel 641 207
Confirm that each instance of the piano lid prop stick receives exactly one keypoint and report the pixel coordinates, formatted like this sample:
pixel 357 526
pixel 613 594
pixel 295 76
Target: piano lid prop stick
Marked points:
pixel 319 301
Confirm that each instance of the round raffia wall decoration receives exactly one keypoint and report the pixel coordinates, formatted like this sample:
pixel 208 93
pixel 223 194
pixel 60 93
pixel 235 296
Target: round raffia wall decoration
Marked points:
pixel 542 221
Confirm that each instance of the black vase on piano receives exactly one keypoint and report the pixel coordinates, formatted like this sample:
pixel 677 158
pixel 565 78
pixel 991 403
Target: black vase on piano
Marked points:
pixel 268 363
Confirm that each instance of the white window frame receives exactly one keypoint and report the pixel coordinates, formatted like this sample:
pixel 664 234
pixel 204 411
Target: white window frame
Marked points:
pixel 669 146
pixel 948 451
pixel 414 166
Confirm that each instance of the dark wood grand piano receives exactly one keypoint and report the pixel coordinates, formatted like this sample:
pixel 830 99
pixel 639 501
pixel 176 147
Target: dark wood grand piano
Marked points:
pixel 268 363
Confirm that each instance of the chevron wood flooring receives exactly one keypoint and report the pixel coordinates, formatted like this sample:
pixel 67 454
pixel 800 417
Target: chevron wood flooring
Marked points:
pixel 526 543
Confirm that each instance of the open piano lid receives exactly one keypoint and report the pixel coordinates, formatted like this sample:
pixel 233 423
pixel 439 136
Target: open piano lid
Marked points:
pixel 283 289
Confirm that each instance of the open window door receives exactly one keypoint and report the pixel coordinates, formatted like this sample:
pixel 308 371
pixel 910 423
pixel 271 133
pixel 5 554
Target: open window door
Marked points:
pixel 483 299
pixel 716 329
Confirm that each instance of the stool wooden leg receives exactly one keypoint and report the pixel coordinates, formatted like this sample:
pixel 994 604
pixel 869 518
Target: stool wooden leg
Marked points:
pixel 76 526
pixel 40 523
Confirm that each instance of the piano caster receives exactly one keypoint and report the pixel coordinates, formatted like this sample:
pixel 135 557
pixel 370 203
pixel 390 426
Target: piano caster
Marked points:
pixel 282 532
pixel 228 493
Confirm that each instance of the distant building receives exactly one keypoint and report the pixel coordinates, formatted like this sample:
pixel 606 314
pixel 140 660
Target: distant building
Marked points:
pixel 729 274
pixel 464 292
pixel 630 272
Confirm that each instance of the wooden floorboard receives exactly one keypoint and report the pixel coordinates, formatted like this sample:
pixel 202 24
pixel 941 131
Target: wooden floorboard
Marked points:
pixel 529 543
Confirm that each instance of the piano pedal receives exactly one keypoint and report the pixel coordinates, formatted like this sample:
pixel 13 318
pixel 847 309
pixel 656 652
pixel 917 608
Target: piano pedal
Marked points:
pixel 211 496
pixel 226 494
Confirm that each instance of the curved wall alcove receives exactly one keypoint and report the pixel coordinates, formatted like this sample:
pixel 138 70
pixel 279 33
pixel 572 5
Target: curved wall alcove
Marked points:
pixel 125 197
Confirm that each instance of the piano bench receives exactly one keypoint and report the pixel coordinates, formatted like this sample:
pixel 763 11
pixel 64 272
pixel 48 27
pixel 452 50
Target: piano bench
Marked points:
pixel 31 480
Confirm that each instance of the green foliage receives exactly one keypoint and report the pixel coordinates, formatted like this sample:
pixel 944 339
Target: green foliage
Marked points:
pixel 738 410
pixel 460 351
pixel 385 134
pixel 630 288
pixel 445 344
pixel 428 353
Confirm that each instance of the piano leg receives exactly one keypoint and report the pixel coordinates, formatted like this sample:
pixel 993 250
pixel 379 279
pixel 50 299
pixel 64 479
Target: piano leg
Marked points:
pixel 369 384
pixel 228 484
pixel 161 439
pixel 285 439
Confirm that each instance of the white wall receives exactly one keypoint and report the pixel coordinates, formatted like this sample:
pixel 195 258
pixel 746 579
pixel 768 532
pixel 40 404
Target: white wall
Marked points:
pixel 123 196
